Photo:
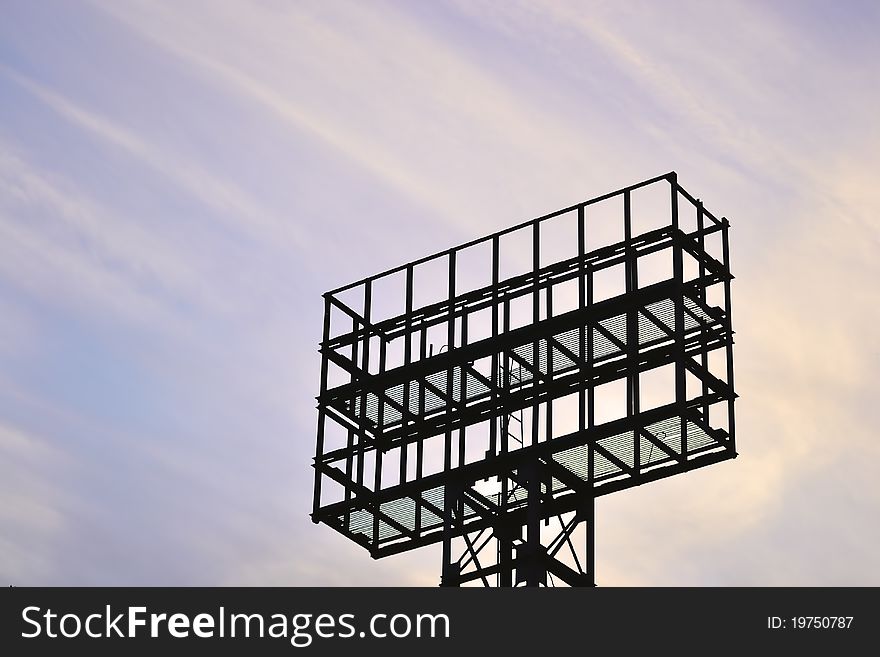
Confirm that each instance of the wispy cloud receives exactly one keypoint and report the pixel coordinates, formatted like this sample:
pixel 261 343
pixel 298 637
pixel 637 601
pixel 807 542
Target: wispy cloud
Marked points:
pixel 384 92
pixel 229 203
pixel 57 241
pixel 32 507
pixel 370 133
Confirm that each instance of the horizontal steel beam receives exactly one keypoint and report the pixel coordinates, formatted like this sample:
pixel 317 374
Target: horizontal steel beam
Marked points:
pixel 563 504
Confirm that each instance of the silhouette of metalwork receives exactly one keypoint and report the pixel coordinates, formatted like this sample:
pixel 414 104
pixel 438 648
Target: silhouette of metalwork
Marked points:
pixel 483 397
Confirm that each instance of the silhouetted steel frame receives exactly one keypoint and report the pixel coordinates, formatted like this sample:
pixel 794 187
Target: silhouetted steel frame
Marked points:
pixel 533 463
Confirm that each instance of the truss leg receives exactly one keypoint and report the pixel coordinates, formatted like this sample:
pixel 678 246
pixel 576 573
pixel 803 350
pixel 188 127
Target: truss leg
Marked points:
pixel 521 553
pixel 531 564
pixel 449 576
pixel 590 548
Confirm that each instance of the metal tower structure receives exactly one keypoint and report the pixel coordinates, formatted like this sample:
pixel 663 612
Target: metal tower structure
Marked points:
pixel 485 396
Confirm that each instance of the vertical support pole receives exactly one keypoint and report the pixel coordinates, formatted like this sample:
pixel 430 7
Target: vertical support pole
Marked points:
pixel 586 405
pixel 450 373
pixel 529 565
pixel 362 405
pixel 505 381
pixel 451 494
pixel 350 441
pixel 380 447
pixel 704 334
pixel 462 386
pixel 319 444
pixel 590 560
pixel 678 276
pixel 548 405
pixel 536 317
pixel 505 553
pixel 504 531
pixel 632 327
pixel 591 390
pixel 496 374
pixel 532 559
pixel 584 343
pixel 420 444
pixel 548 433
pixel 407 359
pixel 585 299
pixel 360 461
pixel 355 446
pixel 451 568
pixel 725 245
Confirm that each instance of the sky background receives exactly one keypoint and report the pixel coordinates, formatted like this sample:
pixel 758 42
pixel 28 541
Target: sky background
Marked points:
pixel 180 181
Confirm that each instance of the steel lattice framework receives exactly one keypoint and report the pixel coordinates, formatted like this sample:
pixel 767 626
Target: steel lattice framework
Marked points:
pixel 483 397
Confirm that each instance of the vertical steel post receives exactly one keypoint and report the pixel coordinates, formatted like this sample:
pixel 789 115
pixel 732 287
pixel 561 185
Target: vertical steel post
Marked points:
pixel 678 276
pixel 319 443
pixel 725 245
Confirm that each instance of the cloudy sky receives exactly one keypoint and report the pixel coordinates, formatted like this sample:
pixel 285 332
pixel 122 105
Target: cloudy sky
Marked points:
pixel 180 181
